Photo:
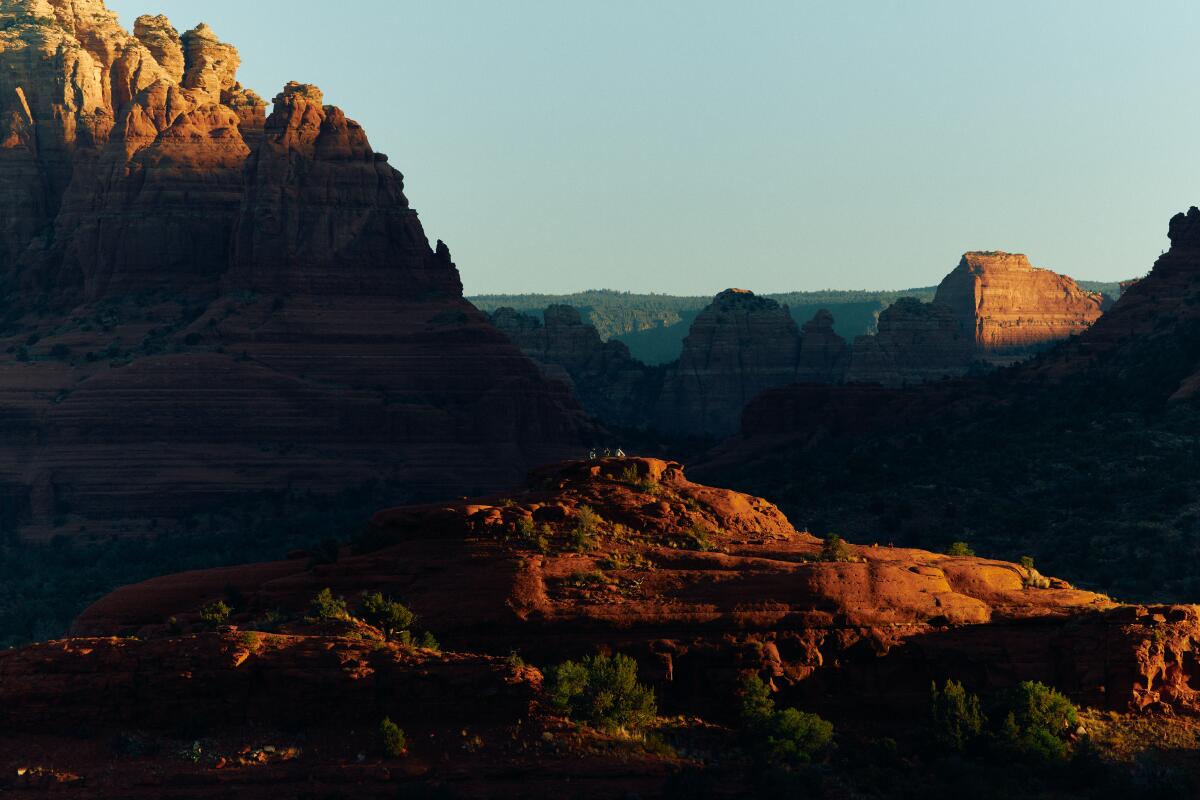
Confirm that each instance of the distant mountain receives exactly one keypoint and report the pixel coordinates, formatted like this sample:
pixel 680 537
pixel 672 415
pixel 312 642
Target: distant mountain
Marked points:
pixel 653 326
pixel 1084 457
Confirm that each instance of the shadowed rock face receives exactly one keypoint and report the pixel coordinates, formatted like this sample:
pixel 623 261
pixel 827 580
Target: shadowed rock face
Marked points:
pixel 916 342
pixel 737 347
pixel 1010 307
pixel 610 384
pixel 703 585
pixel 207 302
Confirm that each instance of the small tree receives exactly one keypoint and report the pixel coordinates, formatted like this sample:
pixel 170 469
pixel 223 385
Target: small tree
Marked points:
pixel 324 606
pixel 795 737
pixel 1027 562
pixel 215 613
pixel 786 738
pixel 955 715
pixel 757 703
pixel 959 549
pixel 1036 717
pixel 602 691
pixel 386 614
pixel 395 743
pixel 835 549
pixel 587 526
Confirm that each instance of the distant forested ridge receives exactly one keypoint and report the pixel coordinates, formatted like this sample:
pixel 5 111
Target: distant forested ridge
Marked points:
pixel 653 326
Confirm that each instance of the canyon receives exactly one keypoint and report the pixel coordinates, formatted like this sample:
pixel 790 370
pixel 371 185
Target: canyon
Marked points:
pixel 992 310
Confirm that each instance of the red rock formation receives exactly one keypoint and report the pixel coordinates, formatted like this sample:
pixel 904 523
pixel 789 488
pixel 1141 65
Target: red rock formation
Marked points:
pixel 610 384
pixel 261 308
pixel 703 584
pixel 916 342
pixel 1011 307
pixel 823 354
pixel 737 347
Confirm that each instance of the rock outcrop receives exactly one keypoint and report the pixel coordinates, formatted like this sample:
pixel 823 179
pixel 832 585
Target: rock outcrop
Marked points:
pixel 1011 308
pixel 610 384
pixel 737 347
pixel 702 585
pixel 207 304
pixel 917 342
pixel 823 353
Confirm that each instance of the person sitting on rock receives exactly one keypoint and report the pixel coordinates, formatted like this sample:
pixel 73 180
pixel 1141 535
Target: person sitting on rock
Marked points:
pixel 592 455
pixel 620 453
pixel 607 453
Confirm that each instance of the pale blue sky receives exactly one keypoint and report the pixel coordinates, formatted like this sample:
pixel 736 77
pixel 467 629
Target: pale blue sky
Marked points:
pixel 689 146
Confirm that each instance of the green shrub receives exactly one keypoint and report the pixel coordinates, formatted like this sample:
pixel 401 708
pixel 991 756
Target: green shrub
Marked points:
pixel 1027 562
pixel 795 737
pixel 787 738
pixel 959 549
pixel 757 703
pixel 395 743
pixel 530 534
pixel 325 606
pixel 697 537
pixel 386 614
pixel 1036 720
pixel 835 549
pixel 430 642
pixel 587 526
pixel 215 613
pixel 602 691
pixel 955 716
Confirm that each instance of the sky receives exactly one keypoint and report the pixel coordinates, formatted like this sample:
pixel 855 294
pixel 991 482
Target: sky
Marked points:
pixel 685 146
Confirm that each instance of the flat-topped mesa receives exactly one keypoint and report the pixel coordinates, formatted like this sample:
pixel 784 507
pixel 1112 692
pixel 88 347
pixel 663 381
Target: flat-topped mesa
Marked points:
pixel 738 346
pixel 1010 307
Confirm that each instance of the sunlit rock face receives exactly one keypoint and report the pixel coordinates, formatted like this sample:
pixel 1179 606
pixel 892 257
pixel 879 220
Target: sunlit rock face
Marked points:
pixel 1010 307
pixel 205 301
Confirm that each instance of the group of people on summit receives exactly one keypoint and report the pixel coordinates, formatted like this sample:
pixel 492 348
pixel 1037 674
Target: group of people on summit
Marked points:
pixel 593 455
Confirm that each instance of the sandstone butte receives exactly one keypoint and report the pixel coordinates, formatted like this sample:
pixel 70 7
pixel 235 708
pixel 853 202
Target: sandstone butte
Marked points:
pixel 208 304
pixel 1009 307
pixel 1155 319
pixel 701 585
pixel 994 308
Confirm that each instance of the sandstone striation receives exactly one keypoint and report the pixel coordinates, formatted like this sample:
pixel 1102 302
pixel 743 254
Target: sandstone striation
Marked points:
pixel 702 585
pixel 737 347
pixel 210 306
pixel 916 342
pixel 1010 307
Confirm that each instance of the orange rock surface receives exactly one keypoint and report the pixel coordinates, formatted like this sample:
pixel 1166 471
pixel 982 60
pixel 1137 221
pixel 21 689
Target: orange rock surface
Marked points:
pixel 1009 306
pixel 213 305
pixel 701 585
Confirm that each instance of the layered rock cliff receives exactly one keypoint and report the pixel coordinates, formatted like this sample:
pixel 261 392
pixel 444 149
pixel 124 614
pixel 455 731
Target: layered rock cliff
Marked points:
pixel 207 303
pixel 1104 424
pixel 1010 307
pixel 611 385
pixel 916 342
pixel 738 346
